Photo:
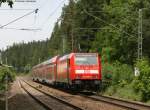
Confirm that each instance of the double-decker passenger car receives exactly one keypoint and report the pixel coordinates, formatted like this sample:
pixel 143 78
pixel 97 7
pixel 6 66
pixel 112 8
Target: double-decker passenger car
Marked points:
pixel 75 70
pixel 46 71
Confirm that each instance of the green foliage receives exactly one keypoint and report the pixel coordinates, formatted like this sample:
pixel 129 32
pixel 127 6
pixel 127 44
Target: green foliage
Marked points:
pixel 116 75
pixel 23 56
pixel 115 32
pixel 10 2
pixel 118 33
pixel 86 37
pixel 121 74
pixel 27 68
pixel 124 85
pixel 113 35
pixel 6 71
pixel 142 82
pixel 3 72
pixel 125 92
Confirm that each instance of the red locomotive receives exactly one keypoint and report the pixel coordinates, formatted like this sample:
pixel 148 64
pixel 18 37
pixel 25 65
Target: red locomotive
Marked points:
pixel 75 70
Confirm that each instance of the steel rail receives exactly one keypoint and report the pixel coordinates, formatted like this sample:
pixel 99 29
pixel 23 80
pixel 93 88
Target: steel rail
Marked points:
pixel 37 100
pixel 54 97
pixel 132 105
pixel 119 102
pixel 114 101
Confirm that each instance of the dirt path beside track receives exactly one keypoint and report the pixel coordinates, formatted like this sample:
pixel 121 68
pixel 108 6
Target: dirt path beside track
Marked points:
pixel 19 100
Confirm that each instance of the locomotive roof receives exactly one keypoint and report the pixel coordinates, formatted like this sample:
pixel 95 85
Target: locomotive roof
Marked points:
pixel 52 60
pixel 66 56
pixel 71 54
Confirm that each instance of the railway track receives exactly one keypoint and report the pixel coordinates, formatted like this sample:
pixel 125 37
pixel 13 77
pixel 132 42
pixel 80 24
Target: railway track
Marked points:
pixel 131 105
pixel 48 101
pixel 75 99
pixel 38 101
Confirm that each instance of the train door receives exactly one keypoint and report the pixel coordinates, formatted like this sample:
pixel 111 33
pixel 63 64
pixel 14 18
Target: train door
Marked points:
pixel 68 71
pixel 52 73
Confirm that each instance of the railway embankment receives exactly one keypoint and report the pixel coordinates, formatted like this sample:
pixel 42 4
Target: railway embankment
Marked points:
pixel 126 84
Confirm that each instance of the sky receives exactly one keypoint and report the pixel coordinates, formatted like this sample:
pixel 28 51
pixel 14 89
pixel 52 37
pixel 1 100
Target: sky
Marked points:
pixel 44 21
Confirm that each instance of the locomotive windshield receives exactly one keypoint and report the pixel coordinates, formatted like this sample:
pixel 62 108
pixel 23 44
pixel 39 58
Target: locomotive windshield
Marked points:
pixel 86 59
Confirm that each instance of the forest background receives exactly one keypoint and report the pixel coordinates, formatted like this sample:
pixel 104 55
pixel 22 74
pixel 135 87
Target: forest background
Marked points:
pixel 109 27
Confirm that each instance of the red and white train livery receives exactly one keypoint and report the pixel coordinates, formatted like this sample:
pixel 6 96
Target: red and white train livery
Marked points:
pixel 75 70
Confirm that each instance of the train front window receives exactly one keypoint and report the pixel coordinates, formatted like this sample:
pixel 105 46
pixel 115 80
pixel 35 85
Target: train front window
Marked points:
pixel 86 59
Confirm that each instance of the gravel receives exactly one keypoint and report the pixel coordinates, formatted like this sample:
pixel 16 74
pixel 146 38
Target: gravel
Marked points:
pixel 19 100
pixel 50 102
pixel 77 100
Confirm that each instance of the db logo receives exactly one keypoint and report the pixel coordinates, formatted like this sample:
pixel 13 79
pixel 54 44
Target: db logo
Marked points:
pixel 86 71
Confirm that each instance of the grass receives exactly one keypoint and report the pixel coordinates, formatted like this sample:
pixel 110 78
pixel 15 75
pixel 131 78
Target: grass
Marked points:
pixel 148 102
pixel 125 92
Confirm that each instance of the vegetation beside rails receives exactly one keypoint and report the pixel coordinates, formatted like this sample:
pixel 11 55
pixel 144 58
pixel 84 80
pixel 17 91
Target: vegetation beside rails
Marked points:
pixel 127 86
pixel 4 70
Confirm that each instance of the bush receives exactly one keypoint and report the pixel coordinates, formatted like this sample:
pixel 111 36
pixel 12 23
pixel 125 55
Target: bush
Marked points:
pixel 121 74
pixel 3 72
pixel 117 74
pixel 141 83
pixel 125 85
pixel 125 92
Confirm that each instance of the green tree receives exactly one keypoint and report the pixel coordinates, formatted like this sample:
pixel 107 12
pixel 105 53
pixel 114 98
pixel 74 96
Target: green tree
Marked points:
pixel 119 31
pixel 142 82
pixel 3 72
pixel 113 27
pixel 86 36
pixel 10 2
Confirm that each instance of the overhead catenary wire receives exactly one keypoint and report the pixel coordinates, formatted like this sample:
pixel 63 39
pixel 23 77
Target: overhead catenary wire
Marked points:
pixel 11 9
pixel 34 11
pixel 23 29
pixel 17 9
pixel 107 23
pixel 104 12
pixel 51 14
